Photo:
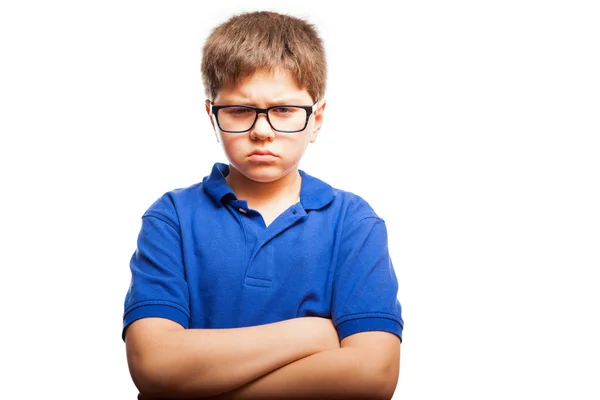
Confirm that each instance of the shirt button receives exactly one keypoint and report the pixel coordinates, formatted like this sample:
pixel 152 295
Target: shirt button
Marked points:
pixel 242 210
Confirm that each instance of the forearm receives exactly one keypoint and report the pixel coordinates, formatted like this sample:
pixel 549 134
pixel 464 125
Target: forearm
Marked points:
pixel 192 363
pixel 332 374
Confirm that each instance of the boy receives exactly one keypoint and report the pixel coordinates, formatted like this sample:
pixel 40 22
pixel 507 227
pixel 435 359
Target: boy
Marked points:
pixel 263 281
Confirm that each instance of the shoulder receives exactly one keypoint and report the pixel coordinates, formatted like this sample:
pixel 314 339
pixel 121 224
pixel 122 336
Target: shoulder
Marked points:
pixel 359 221
pixel 345 205
pixel 348 214
pixel 354 204
pixel 176 204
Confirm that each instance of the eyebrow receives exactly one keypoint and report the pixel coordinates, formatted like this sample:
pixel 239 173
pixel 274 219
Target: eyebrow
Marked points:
pixel 246 101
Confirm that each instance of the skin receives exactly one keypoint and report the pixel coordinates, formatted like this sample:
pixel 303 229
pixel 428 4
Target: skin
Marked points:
pixel 299 358
pixel 270 186
pixel 167 361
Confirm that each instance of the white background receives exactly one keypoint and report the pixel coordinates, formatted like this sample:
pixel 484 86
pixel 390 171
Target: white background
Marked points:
pixel 472 127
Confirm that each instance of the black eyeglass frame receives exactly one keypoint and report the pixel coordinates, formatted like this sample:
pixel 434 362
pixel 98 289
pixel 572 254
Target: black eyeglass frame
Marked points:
pixel 309 110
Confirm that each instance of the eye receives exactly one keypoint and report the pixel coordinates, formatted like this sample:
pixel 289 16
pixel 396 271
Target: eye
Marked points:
pixel 238 111
pixel 284 110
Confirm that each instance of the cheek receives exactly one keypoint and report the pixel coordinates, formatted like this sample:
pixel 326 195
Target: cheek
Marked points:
pixel 232 144
pixel 298 146
pixel 227 139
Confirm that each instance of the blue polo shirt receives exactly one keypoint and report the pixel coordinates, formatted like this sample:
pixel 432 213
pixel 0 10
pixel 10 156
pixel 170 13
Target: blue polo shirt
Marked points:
pixel 206 260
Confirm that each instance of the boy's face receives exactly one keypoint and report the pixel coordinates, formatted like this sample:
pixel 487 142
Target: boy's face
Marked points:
pixel 263 154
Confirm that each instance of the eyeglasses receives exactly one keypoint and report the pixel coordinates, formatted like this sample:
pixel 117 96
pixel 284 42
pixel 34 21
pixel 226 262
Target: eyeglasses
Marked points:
pixel 282 118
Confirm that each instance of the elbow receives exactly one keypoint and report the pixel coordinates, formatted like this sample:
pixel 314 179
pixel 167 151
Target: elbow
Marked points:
pixel 382 387
pixel 153 372
pixel 387 388
pixel 157 378
pixel 383 380
pixel 378 362
pixel 146 376
pixel 156 363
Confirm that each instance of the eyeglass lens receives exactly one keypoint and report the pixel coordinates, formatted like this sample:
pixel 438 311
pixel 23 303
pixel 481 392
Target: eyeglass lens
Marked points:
pixel 281 118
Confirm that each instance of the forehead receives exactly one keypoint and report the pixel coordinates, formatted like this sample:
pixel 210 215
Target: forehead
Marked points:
pixel 265 86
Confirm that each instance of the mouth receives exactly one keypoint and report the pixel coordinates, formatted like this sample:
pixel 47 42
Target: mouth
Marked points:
pixel 262 153
pixel 262 156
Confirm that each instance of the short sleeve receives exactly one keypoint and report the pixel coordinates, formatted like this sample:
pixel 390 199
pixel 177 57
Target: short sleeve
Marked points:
pixel 158 286
pixel 365 287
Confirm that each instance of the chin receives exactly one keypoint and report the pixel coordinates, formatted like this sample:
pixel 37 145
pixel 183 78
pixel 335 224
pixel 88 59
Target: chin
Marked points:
pixel 263 173
pixel 264 176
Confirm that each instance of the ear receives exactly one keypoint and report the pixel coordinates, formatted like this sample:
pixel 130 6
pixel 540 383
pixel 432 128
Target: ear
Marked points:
pixel 318 120
pixel 211 117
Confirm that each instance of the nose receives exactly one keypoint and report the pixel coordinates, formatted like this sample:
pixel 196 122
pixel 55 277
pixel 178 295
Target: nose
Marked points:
pixel 262 129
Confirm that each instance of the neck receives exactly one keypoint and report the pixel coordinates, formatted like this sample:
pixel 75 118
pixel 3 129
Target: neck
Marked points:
pixel 263 192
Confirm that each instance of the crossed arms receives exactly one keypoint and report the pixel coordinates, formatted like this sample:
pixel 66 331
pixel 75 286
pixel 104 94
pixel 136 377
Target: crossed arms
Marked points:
pixel 299 358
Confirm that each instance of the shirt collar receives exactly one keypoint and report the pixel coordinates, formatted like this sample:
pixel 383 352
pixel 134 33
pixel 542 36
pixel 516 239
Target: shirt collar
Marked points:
pixel 215 185
pixel 314 194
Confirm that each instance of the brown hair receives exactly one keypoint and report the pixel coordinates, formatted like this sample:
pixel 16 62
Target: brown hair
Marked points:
pixel 259 40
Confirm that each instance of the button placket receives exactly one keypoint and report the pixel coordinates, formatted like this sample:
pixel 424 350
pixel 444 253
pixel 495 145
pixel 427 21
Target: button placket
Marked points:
pixel 264 271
